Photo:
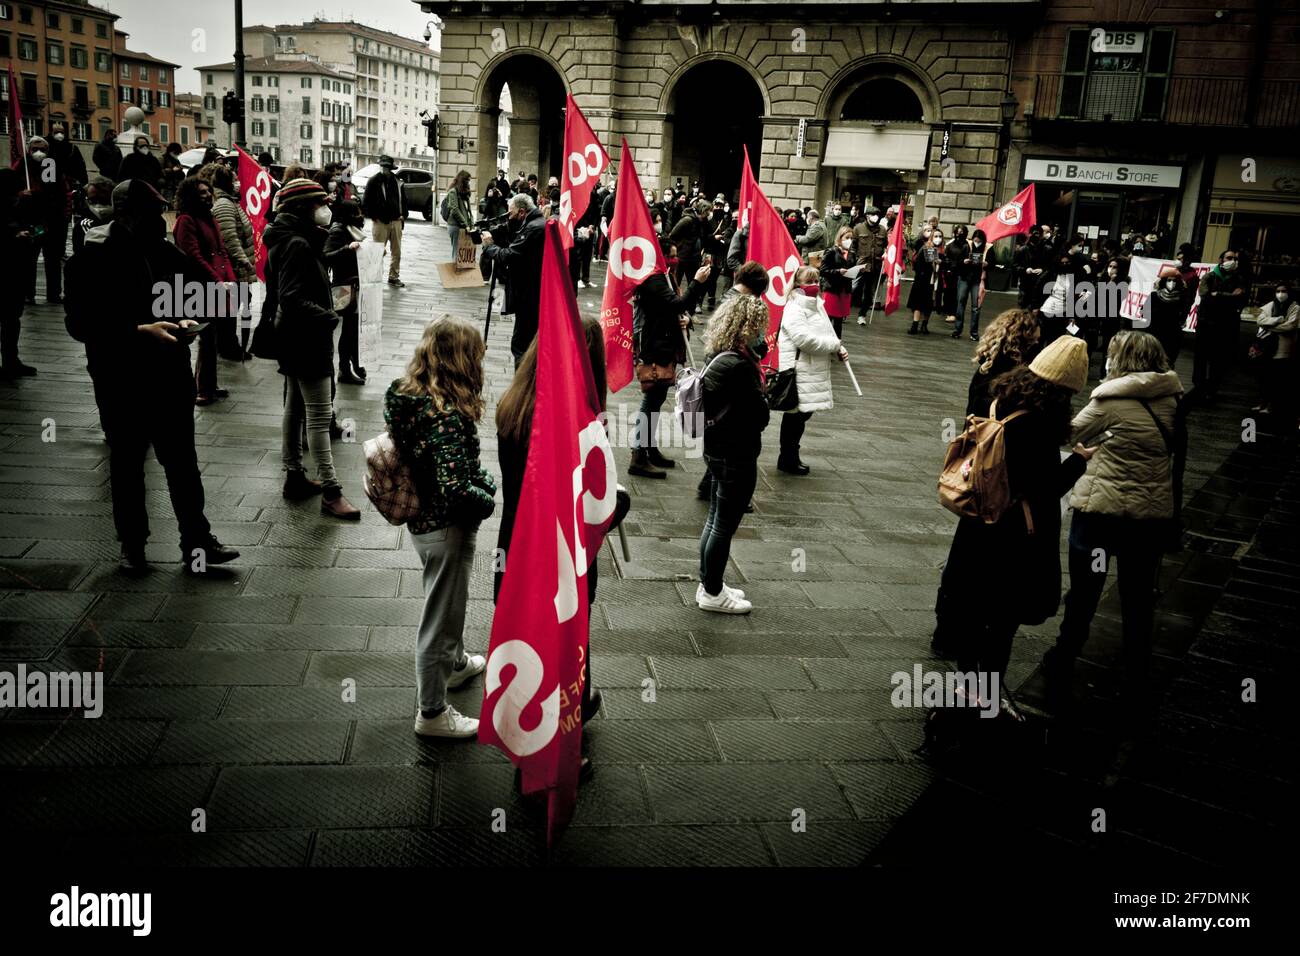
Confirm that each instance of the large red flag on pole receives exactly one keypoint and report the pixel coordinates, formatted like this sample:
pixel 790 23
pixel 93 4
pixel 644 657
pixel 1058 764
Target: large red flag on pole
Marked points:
pixel 1012 218
pixel 255 199
pixel 532 690
pixel 895 260
pixel 17 136
pixel 770 244
pixel 584 161
pixel 633 257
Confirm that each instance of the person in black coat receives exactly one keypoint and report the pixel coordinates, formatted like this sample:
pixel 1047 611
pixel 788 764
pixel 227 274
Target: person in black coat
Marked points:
pixel 107 156
pixel 1031 262
pixel 1022 549
pixel 17 224
pixel 141 164
pixel 521 263
pixel 298 296
pixel 585 231
pixel 341 245
pixel 659 323
pixel 690 234
pixel 140 367
pixel 384 202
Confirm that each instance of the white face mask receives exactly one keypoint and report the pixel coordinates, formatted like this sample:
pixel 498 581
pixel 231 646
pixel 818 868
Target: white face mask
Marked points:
pixel 58 137
pixel 142 150
pixel 1283 296
pixel 1171 284
pixel 659 227
pixel 322 215
pixel 846 244
pixel 873 219
pixel 977 243
pixel 1112 272
pixel 334 184
pixel 38 155
pixel 1229 265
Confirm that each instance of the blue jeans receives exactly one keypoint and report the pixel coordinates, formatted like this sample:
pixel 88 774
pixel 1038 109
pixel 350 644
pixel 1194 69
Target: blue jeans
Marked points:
pixel 968 290
pixel 647 421
pixel 733 486
pixel 453 233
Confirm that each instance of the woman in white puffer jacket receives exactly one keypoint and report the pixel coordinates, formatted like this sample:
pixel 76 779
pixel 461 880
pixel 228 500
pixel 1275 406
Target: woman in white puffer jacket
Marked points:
pixel 806 343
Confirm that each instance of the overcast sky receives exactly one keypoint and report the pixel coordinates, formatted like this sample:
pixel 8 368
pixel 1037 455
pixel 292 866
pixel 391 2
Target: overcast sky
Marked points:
pixel 165 28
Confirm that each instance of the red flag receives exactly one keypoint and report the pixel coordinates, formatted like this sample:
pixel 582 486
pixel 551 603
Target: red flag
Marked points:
pixel 1013 218
pixel 532 690
pixel 770 244
pixel 633 256
pixel 895 256
pixel 585 160
pixel 17 136
pixel 255 199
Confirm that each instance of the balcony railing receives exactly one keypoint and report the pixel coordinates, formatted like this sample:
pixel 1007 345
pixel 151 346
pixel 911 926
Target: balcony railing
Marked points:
pixel 1194 101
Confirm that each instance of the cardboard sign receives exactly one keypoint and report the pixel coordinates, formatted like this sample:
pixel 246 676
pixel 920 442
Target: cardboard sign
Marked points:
pixel 466 253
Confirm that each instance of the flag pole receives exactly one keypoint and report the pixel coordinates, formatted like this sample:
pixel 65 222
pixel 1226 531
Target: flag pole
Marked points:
pixel 690 357
pixel 872 315
pixel 852 378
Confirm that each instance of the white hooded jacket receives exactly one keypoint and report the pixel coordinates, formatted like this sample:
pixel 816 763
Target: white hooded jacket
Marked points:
pixel 807 329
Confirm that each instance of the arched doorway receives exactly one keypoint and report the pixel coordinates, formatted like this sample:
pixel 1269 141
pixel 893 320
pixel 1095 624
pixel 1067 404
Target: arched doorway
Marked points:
pixel 877 144
pixel 715 111
pixel 526 94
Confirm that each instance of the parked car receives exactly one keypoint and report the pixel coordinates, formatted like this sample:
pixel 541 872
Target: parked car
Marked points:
pixel 192 157
pixel 417 185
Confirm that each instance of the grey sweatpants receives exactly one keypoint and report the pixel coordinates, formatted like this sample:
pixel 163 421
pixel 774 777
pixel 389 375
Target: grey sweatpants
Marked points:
pixel 448 555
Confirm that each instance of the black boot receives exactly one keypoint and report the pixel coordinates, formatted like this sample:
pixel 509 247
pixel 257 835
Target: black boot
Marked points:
pixel 660 461
pixel 791 465
pixel 214 553
pixel 914 328
pixel 642 467
pixel 298 486
pixel 132 562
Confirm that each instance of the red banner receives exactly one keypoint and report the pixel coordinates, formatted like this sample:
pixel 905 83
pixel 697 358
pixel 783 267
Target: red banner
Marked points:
pixel 633 256
pixel 1011 219
pixel 770 244
pixel 532 692
pixel 585 160
pixel 255 200
pixel 895 260
pixel 17 137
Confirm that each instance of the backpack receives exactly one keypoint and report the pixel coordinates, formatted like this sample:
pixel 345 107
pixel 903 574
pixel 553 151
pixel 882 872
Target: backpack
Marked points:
pixel 388 481
pixel 690 397
pixel 445 209
pixel 973 483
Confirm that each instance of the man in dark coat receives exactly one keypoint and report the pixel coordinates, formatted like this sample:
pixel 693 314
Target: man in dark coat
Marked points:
pixel 1032 262
pixel 107 156
pixel 140 367
pixel 870 239
pixel 690 234
pixel 1218 318
pixel 585 231
pixel 521 264
pixel 52 203
pixel 385 204
pixel 68 159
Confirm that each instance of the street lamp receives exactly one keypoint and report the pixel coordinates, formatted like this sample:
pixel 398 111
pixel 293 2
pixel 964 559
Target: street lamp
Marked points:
pixel 1009 105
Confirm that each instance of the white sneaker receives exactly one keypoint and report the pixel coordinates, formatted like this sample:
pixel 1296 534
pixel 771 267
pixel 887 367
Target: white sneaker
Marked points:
pixel 862 320
pixel 726 602
pixel 581 284
pixel 475 664
pixel 735 592
pixel 450 723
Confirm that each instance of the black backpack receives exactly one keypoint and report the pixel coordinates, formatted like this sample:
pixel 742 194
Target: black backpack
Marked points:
pixel 445 209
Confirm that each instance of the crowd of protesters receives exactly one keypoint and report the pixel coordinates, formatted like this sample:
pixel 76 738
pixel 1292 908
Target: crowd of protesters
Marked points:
pixel 1029 362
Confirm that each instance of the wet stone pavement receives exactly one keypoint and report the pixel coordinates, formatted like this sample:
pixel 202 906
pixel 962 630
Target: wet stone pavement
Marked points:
pixel 225 693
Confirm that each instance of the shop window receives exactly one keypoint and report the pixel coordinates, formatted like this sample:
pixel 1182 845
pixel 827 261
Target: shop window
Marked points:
pixel 1119 75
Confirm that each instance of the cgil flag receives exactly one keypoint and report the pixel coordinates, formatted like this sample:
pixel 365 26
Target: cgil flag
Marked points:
pixel 633 257
pixel 585 161
pixel 894 260
pixel 532 689
pixel 17 135
pixel 255 200
pixel 1012 218
pixel 771 246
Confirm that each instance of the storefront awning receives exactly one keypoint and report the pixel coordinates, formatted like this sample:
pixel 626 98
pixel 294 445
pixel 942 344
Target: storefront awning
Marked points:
pixel 856 147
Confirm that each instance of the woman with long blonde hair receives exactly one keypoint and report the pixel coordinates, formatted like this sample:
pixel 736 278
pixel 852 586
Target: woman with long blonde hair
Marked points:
pixel 432 413
pixel 735 414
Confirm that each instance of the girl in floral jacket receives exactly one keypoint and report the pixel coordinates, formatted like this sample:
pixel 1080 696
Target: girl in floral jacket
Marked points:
pixel 432 414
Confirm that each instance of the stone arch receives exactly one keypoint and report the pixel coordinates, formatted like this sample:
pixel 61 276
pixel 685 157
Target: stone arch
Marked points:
pixel 880 66
pixel 668 95
pixel 538 85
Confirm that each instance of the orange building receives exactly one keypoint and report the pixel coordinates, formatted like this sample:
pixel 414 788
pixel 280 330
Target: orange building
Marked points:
pixel 149 83
pixel 62 55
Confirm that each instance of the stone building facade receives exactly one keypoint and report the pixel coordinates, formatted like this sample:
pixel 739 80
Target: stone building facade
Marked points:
pixel 834 100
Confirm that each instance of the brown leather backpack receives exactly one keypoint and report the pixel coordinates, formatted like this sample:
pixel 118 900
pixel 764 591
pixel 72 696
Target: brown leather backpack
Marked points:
pixel 973 483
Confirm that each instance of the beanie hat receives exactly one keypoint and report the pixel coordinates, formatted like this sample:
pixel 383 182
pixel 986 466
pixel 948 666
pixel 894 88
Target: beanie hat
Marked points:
pixel 1064 362
pixel 299 189
pixel 138 197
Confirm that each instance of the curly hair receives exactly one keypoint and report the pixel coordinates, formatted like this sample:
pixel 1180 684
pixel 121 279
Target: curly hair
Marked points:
pixel 448 367
pixel 1021 388
pixel 1014 333
pixel 738 321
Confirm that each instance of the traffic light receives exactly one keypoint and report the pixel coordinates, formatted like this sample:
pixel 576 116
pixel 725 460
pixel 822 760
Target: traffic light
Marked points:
pixel 432 126
pixel 232 108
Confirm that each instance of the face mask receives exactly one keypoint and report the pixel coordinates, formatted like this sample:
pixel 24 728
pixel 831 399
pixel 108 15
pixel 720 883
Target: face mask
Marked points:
pixel 659 227
pixel 1138 247
pixel 977 243
pixel 809 289
pixel 1229 265
pixel 101 211
pixel 1171 284
pixel 334 185
pixel 1283 296
pixel 58 137
pixel 142 150
pixel 835 212
pixel 846 244
pixel 672 262
pixel 322 215
pixel 356 233
pixel 937 240
pixel 873 219
pixel 1074 250
pixel 1112 272
pixel 38 155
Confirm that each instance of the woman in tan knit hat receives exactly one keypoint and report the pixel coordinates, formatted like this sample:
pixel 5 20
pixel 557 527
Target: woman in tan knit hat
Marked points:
pixel 1008 573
